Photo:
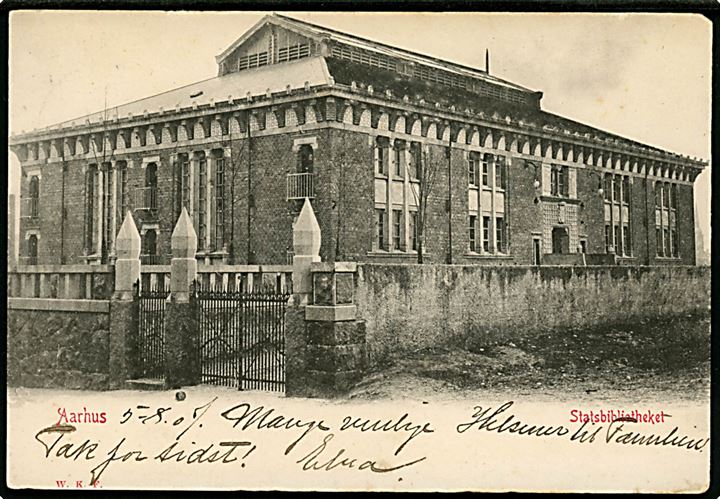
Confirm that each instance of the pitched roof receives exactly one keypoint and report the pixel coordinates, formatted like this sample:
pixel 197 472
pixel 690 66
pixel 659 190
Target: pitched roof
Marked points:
pixel 318 32
pixel 275 78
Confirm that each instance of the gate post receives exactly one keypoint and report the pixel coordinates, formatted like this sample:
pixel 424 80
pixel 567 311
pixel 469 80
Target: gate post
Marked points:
pixel 306 245
pixel 123 305
pixel 182 365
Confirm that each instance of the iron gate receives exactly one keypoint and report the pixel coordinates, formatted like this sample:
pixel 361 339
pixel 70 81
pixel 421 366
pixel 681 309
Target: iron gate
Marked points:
pixel 151 331
pixel 241 338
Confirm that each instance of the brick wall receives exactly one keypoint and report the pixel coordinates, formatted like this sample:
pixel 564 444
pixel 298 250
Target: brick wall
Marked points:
pixel 343 204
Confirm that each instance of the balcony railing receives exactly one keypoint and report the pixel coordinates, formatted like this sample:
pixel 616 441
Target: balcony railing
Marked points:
pixel 145 198
pixel 300 186
pixel 30 208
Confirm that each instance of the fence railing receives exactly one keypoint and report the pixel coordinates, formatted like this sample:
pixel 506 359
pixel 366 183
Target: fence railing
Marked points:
pixel 241 278
pixel 300 186
pixel 145 198
pixel 90 282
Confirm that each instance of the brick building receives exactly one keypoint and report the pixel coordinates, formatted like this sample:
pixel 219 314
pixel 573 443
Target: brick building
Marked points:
pixel 395 150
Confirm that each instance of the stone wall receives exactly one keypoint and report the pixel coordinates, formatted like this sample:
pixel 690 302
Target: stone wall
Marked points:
pixel 59 348
pixel 410 307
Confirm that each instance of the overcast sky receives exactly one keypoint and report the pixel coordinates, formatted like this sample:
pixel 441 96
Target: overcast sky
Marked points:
pixel 642 76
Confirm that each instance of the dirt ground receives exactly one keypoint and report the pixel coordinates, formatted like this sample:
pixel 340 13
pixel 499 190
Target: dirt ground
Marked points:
pixel 660 360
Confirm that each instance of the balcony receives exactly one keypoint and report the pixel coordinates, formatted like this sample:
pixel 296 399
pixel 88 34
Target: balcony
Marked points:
pixel 30 208
pixel 145 198
pixel 300 186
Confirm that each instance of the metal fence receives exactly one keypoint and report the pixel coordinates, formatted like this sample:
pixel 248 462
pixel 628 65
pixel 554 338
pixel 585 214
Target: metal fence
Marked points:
pixel 151 331
pixel 241 337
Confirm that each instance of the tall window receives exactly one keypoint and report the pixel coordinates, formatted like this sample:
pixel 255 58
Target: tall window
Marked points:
pixel 666 243
pixel 32 249
pixel 500 172
pixel 474 169
pixel 500 234
pixel 412 227
pixel 380 232
pixel 487 159
pixel 107 210
pixel 219 203
pixel 149 247
pixel 182 184
pixel 34 195
pixel 487 182
pixel 399 158
pixel 90 178
pixel 486 234
pixel 415 160
pixel 618 214
pixel 150 186
pixel 202 199
pixel 559 181
pixel 472 229
pixel 398 232
pixel 382 155
pixel 123 193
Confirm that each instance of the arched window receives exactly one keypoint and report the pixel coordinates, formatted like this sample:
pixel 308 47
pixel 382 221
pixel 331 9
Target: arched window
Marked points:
pixel 305 159
pixel 151 186
pixel 34 192
pixel 32 249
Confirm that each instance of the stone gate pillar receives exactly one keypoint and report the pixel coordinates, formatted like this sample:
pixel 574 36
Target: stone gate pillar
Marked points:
pixel 124 307
pixel 306 245
pixel 324 341
pixel 182 365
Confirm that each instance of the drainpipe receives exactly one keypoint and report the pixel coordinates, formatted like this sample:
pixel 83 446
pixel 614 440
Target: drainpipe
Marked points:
pixel 251 199
pixel 647 221
pixel 449 161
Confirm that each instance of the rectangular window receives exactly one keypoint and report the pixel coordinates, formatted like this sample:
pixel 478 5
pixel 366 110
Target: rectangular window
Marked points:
pixel 500 234
pixel 617 183
pixel 415 160
pixel 90 207
pixel 607 238
pixel 673 197
pixel 618 240
pixel 413 230
pixel 487 159
pixel 500 172
pixel 559 181
pixel 382 155
pixel 380 228
pixel 398 159
pixel 123 186
pixel 608 187
pixel 675 246
pixel 627 247
pixel 473 170
pixel 397 229
pixel 182 184
pixel 626 190
pixel 486 234
pixel 219 203
pixel 473 223
pixel 658 241
pixel 107 208
pixel 666 235
pixel 202 199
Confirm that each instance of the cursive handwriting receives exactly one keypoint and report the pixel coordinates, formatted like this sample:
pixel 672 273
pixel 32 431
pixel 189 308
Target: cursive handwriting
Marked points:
pixel 486 420
pixel 314 460
pixel 271 420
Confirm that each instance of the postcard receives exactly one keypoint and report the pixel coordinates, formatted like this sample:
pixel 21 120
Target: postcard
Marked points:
pixel 373 251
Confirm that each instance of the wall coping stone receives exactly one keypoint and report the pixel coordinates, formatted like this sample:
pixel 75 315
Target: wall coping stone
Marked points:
pixel 60 269
pixel 60 305
pixel 330 313
pixel 333 267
